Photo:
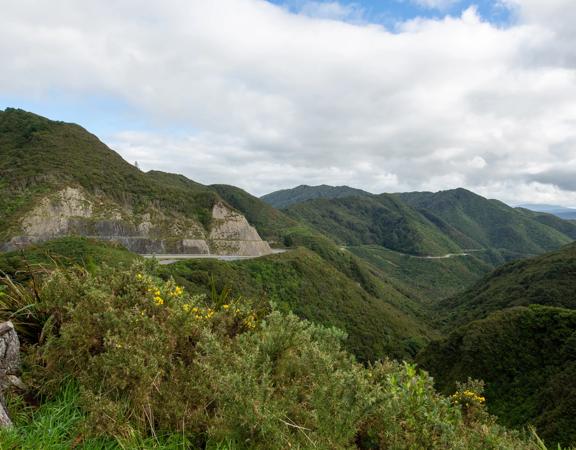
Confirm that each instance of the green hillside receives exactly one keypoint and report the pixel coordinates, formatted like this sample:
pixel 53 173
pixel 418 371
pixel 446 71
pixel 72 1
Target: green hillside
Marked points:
pixel 39 156
pixel 286 197
pixel 490 223
pixel 432 279
pixel 382 220
pixel 302 282
pixel 548 279
pixel 566 227
pixel 276 226
pixel 526 356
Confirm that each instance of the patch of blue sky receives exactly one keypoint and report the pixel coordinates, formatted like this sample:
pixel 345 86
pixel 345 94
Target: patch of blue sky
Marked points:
pixel 103 115
pixel 389 12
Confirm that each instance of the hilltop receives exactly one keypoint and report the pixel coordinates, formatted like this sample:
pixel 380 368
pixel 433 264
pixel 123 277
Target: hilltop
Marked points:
pixel 58 179
pixel 286 197
pixel 490 223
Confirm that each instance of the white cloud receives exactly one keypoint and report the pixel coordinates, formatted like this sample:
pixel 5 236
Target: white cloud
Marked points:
pixel 272 99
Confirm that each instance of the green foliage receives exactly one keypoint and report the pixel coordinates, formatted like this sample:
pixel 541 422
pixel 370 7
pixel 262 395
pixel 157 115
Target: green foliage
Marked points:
pixel 432 279
pixel 545 280
pixel 39 156
pixel 66 251
pixel 286 197
pixel 302 282
pixel 148 365
pixel 526 356
pixel 382 220
pixel 58 425
pixel 489 223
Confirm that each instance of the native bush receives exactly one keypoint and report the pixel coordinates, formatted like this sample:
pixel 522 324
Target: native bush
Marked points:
pixel 149 359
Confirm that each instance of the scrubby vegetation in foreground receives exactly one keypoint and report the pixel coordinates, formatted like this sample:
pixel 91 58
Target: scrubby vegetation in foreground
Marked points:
pixel 124 359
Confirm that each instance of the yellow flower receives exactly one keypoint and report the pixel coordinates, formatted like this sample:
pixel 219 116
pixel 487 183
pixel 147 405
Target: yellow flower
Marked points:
pixel 158 300
pixel 178 291
pixel 226 306
pixel 186 307
pixel 139 276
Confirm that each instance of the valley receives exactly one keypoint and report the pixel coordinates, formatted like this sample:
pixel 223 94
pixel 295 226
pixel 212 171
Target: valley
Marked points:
pixel 462 285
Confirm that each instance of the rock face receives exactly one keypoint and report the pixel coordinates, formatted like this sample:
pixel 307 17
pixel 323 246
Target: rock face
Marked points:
pixel 9 366
pixel 72 211
pixel 232 234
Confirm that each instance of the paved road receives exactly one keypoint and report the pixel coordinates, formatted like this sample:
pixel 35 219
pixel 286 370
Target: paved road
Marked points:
pixel 169 258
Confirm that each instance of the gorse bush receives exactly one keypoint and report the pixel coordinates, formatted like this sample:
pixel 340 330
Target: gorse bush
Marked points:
pixel 148 360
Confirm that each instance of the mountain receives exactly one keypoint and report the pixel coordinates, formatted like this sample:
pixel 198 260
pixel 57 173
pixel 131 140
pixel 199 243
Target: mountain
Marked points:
pixel 559 211
pixel 516 330
pixel 57 179
pixel 380 219
pixel 490 223
pixel 549 279
pixel 526 356
pixel 286 197
pixel 433 244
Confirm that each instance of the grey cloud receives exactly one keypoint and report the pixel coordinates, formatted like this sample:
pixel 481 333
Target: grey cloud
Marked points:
pixel 274 99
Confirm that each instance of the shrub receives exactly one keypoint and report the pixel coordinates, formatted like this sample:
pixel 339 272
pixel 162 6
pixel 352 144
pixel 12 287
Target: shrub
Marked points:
pixel 151 360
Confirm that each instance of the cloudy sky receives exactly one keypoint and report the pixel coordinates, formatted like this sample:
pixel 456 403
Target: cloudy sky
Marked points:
pixel 387 96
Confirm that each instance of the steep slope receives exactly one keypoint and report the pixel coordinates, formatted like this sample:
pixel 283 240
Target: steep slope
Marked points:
pixel 286 197
pixel 432 279
pixel 271 223
pixel 516 330
pixel 548 279
pixel 277 227
pixel 308 285
pixel 564 226
pixel 382 220
pixel 527 357
pixel 57 179
pixel 490 223
pixel 63 252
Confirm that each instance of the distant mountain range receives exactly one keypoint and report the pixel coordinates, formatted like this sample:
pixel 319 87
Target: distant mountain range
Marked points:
pixel 560 211
pixel 424 223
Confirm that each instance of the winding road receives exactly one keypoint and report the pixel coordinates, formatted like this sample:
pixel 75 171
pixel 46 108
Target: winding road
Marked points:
pixel 170 258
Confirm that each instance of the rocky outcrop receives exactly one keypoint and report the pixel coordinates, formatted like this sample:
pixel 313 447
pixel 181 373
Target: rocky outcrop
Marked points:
pixel 72 211
pixel 231 234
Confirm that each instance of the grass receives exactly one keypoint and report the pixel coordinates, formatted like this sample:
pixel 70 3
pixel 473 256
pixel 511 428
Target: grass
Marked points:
pixel 58 425
pixel 66 251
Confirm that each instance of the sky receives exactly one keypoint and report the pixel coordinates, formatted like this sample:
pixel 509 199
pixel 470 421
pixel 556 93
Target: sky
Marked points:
pixel 387 96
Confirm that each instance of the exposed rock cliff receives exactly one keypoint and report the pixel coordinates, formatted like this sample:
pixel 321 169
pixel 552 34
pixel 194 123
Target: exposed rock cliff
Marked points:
pixel 74 211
